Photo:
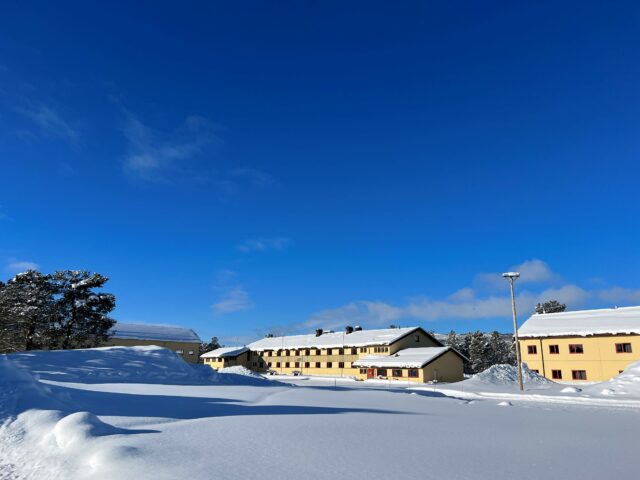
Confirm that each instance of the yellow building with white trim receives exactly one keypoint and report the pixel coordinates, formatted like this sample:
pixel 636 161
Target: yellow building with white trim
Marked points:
pixel 233 356
pixel 409 354
pixel 584 345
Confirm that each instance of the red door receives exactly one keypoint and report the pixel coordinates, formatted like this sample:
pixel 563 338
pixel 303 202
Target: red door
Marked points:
pixel 370 373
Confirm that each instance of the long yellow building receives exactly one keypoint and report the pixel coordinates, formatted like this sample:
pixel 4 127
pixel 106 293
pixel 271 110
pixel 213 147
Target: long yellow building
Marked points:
pixel 586 345
pixel 409 354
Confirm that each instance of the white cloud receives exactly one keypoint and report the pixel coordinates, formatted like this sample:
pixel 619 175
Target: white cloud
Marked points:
pixel 531 271
pixel 476 303
pixel 50 122
pixel 233 300
pixel 264 244
pixel 19 266
pixel 619 295
pixel 159 156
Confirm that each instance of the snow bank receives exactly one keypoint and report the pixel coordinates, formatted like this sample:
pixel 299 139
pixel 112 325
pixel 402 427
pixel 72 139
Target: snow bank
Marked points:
pixel 626 384
pixel 149 364
pixel 506 375
pixel 237 375
pixel 20 390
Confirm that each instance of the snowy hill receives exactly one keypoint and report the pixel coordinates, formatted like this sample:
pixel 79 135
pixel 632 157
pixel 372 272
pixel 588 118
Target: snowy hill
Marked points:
pixel 148 364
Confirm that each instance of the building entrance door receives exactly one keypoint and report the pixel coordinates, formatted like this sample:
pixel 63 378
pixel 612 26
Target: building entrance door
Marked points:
pixel 370 373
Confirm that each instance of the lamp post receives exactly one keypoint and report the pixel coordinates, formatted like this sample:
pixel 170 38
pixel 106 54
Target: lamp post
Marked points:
pixel 511 277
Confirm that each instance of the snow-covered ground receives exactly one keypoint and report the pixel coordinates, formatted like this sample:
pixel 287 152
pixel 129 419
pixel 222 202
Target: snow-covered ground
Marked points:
pixel 142 413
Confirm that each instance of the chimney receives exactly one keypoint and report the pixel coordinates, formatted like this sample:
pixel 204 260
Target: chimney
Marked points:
pixel 358 328
pixel 318 332
pixel 348 329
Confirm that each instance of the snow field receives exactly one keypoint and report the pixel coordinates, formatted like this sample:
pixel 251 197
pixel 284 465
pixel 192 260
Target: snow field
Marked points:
pixel 201 424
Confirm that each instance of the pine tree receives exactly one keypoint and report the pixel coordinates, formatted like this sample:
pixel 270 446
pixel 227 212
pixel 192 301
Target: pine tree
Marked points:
pixel 81 313
pixel 26 311
pixel 552 306
pixel 454 341
pixel 497 349
pixel 209 346
pixel 478 352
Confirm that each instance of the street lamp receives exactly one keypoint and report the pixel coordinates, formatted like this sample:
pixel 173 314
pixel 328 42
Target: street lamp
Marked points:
pixel 511 277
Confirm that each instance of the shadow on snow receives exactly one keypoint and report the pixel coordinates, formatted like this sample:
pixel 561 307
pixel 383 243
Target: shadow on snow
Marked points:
pixel 184 407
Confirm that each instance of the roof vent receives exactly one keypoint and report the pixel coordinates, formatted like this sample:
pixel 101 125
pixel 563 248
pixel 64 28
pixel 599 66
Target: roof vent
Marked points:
pixel 348 329
pixel 318 332
pixel 358 328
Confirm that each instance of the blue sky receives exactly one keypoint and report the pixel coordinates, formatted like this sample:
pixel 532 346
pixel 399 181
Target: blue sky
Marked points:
pixel 248 167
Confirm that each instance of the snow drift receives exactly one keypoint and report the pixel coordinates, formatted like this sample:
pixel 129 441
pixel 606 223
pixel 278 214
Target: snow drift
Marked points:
pixel 145 364
pixel 625 384
pixel 507 375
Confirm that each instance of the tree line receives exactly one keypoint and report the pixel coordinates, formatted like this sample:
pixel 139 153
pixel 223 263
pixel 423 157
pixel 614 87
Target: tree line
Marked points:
pixel 483 349
pixel 55 311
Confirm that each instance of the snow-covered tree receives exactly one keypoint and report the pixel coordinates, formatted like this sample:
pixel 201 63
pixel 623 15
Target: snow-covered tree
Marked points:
pixel 478 352
pixel 454 341
pixel 552 306
pixel 209 346
pixel 81 317
pixel 500 349
pixel 26 311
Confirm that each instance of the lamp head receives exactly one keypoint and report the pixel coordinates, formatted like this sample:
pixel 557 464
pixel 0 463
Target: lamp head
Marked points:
pixel 510 275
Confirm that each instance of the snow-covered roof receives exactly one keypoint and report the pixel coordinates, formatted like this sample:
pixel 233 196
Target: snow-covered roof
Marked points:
pixel 140 331
pixel 583 323
pixel 407 358
pixel 224 352
pixel 359 338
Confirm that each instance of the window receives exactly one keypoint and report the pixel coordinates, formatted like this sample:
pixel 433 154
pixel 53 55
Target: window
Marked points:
pixel 532 349
pixel 354 351
pixel 623 348
pixel 317 351
pixel 556 374
pixel 277 364
pixel 363 371
pixel 269 364
pixel 554 349
pixel 413 373
pixel 329 364
pixel 270 353
pixel 297 364
pixel 317 364
pixel 306 364
pixel 329 351
pixel 179 352
pixel 255 364
pixel 382 372
pixel 307 352
pixel 417 338
pixel 363 350
pixel 340 364
pixel 286 365
pixel 341 351
pixel 297 353
pixel 579 374
pixel 397 372
pixel 535 371
pixel 576 348
pixel 286 353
